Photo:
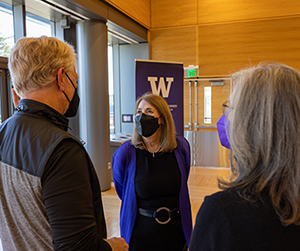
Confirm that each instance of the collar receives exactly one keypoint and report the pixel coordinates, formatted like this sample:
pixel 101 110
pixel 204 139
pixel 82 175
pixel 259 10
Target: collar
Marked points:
pixel 43 111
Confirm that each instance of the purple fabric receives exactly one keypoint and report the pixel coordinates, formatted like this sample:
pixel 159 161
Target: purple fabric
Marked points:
pixel 223 131
pixel 124 166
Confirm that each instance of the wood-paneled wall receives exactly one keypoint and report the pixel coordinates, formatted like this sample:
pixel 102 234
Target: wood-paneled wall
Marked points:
pixel 138 10
pixel 225 36
pixel 225 48
pixel 165 13
pixel 176 44
pixel 220 11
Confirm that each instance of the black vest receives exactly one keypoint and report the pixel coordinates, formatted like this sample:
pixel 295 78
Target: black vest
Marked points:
pixel 28 138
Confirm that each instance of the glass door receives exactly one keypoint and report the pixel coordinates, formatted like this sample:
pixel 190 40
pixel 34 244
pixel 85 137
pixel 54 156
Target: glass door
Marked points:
pixel 203 98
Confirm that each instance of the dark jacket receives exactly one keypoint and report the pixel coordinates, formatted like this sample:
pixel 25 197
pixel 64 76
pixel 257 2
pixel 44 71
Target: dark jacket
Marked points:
pixel 227 222
pixel 49 193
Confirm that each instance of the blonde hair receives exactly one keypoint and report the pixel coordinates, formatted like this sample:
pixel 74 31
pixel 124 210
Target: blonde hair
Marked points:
pixel 265 137
pixel 34 62
pixel 168 133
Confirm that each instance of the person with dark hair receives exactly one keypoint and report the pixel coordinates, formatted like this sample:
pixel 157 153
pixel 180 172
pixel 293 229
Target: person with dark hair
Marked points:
pixel 259 207
pixel 50 197
pixel 150 175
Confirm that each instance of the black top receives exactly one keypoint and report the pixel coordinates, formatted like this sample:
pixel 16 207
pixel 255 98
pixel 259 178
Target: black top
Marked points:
pixel 157 184
pixel 69 203
pixel 157 179
pixel 227 222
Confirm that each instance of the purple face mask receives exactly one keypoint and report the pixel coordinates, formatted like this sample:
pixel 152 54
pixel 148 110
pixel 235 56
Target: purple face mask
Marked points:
pixel 222 124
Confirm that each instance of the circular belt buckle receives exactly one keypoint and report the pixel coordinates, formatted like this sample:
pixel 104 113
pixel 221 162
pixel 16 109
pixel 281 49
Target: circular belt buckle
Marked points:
pixel 160 209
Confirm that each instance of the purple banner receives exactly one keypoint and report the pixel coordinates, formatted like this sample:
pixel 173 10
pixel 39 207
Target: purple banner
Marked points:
pixel 164 79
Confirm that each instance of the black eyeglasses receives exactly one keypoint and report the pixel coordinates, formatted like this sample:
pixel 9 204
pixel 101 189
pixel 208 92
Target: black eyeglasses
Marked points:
pixel 226 107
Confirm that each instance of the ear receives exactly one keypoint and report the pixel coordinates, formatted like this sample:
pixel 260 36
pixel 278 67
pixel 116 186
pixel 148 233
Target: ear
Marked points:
pixel 59 78
pixel 161 120
pixel 15 97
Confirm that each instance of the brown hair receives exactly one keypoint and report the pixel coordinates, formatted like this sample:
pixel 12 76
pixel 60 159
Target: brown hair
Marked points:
pixel 168 133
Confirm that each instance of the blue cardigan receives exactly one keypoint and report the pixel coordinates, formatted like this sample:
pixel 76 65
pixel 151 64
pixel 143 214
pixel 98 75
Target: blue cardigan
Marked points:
pixel 124 166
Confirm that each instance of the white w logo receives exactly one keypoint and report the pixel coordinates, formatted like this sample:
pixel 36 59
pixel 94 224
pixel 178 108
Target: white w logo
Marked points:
pixel 161 86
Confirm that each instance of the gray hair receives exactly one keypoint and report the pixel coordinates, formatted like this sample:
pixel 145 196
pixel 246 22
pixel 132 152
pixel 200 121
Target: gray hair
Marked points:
pixel 34 62
pixel 265 137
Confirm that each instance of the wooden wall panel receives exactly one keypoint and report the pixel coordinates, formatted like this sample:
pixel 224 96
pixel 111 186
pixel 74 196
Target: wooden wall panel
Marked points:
pixel 226 48
pixel 174 44
pixel 166 13
pixel 232 10
pixel 139 10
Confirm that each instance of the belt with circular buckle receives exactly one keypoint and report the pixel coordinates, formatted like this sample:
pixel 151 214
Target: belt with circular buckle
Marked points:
pixel 157 214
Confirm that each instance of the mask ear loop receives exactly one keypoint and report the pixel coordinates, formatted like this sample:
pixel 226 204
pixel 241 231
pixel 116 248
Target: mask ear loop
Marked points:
pixel 72 85
pixel 63 91
pixel 66 97
pixel 70 80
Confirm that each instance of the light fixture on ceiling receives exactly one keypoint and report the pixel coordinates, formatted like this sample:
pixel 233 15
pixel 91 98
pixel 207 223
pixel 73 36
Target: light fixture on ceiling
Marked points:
pixel 219 82
pixel 64 10
pixel 122 37
pixel 68 12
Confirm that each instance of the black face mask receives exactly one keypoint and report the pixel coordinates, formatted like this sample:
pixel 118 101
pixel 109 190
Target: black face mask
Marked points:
pixel 146 125
pixel 74 103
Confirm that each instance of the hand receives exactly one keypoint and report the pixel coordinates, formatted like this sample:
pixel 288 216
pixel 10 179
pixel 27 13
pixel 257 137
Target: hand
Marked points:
pixel 15 97
pixel 117 244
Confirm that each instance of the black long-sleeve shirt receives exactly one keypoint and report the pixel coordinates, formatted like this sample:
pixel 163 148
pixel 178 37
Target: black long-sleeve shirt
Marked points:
pixel 68 198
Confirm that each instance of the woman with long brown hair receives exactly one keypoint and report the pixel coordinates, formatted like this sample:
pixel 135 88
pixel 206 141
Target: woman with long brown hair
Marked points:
pixel 150 175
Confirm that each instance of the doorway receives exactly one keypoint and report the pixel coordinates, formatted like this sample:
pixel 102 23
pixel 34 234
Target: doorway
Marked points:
pixel 203 99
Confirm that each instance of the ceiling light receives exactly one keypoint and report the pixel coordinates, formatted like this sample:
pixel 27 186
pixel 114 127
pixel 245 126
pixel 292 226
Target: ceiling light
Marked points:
pixel 64 10
pixel 122 37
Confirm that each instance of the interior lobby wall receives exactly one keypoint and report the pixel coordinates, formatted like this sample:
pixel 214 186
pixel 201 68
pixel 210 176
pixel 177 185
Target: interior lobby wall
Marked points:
pixel 224 36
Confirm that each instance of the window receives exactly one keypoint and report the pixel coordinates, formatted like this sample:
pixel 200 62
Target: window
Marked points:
pixel 111 90
pixel 37 26
pixel 207 104
pixel 6 29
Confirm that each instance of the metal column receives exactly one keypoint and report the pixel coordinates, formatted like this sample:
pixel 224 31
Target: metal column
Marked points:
pixel 93 92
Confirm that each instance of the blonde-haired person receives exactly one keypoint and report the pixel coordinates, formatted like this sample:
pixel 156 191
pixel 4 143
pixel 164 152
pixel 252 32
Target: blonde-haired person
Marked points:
pixel 150 175
pixel 50 197
pixel 259 209
pixel 33 66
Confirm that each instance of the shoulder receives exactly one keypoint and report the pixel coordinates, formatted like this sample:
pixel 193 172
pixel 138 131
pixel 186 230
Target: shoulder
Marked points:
pixel 182 143
pixel 71 143
pixel 223 197
pixel 70 148
pixel 217 206
pixel 228 201
pixel 126 146
pixel 125 149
